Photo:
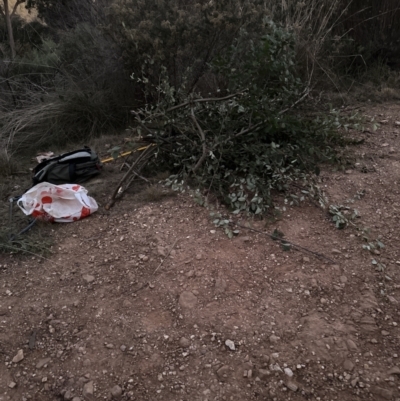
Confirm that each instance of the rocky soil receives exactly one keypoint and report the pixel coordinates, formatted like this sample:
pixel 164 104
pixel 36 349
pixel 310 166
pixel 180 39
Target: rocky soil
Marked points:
pixel 151 301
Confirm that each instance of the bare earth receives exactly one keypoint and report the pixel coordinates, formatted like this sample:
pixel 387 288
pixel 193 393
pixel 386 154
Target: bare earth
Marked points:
pixel 138 303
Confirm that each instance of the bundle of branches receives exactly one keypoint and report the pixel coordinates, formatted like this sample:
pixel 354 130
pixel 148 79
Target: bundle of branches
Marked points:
pixel 249 139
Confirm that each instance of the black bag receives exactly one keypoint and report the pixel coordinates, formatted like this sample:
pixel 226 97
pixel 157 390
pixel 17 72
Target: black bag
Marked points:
pixel 69 168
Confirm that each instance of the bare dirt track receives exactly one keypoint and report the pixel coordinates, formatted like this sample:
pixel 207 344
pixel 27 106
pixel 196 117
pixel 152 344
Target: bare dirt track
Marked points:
pixel 138 303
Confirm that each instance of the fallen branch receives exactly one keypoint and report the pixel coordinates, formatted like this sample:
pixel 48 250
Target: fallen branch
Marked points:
pixel 127 175
pixel 295 246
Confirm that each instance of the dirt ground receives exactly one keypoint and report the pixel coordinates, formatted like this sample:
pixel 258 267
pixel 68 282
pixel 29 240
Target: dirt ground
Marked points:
pixel 151 301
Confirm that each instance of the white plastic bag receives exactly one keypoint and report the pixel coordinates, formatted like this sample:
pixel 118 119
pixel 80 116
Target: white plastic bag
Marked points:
pixel 59 203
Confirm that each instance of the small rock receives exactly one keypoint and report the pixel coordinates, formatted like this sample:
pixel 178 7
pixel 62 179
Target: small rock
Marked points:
pixel 385 145
pixel 288 372
pixel 323 301
pixel 264 374
pixel 249 374
pixel 352 346
pixel 397 123
pixel 110 346
pixel 19 357
pixel 354 382
pixel 76 399
pixel 348 366
pixel 394 371
pixel 161 251
pixel 88 278
pixel 42 362
pixel 336 251
pixel 122 348
pixel 116 392
pixel 275 367
pixel 274 339
pixel 230 344
pixel 292 386
pixel 373 341
pixel 385 333
pixel 199 256
pixel 384 121
pixel 12 384
pixel 220 285
pixel 392 300
pixel 188 300
pixel 343 279
pixel 68 395
pixel 306 259
pixel 222 372
pixel 184 342
pixel 88 389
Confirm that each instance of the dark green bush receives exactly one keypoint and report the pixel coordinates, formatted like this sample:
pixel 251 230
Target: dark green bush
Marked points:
pixel 251 140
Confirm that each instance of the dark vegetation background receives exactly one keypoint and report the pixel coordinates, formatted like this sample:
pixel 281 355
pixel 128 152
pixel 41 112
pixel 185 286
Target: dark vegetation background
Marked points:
pixel 83 65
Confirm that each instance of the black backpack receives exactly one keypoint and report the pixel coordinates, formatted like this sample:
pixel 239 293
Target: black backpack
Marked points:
pixel 69 168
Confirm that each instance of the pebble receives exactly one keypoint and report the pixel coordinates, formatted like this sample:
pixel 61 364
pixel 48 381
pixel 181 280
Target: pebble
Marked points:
pixel 397 123
pixel 122 348
pixel 88 278
pixel 348 365
pixel 292 386
pixel 184 342
pixel 230 344
pixel 323 301
pixel 42 362
pixel 19 357
pixel 352 345
pixel 264 374
pixel 68 395
pixel 188 300
pixel 306 259
pixel 274 339
pixel 385 333
pixel 354 382
pixel 88 389
pixel 343 279
pixel 394 371
pixel 222 372
pixel 220 285
pixel 161 251
pixel 76 399
pixel 12 384
pixel 288 372
pixel 336 251
pixel 392 300
pixel 116 392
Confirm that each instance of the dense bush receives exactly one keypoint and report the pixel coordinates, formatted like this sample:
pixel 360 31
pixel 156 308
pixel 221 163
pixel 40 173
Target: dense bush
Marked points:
pixel 250 140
